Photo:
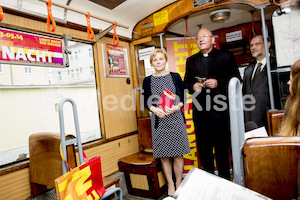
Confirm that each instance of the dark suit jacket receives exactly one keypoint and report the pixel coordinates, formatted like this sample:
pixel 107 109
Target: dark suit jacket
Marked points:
pixel 223 68
pixel 260 91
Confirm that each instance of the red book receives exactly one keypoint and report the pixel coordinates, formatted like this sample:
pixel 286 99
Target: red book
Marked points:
pixel 167 99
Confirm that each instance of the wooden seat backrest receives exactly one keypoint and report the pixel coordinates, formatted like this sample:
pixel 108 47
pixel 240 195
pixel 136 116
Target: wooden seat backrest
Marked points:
pixel 274 121
pixel 44 157
pixel 145 135
pixel 46 163
pixel 45 160
pixel 271 166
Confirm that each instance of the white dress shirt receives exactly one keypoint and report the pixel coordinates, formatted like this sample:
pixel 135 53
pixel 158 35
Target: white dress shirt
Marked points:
pixel 263 62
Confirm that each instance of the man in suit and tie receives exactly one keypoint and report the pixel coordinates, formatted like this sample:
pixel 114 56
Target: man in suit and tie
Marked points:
pixel 255 83
pixel 207 75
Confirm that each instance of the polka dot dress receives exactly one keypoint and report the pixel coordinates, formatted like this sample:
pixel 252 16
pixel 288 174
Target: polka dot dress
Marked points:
pixel 170 137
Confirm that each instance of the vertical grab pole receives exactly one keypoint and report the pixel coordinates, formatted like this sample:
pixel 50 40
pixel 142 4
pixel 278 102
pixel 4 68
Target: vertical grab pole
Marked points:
pixel 237 128
pixel 62 131
pixel 161 40
pixel 265 36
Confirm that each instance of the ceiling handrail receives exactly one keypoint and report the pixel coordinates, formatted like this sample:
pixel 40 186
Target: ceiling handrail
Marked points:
pixel 50 17
pixel 115 34
pixel 90 31
pixel 187 32
pixel 1 13
pixel 84 13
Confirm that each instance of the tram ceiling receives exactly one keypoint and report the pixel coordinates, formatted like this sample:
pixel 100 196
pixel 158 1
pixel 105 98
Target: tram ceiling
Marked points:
pixel 137 14
pixel 127 12
pixel 200 15
pixel 239 14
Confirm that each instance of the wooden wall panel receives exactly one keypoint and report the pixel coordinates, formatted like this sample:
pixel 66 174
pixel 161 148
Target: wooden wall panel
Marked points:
pixel 15 186
pixel 118 121
pixel 111 152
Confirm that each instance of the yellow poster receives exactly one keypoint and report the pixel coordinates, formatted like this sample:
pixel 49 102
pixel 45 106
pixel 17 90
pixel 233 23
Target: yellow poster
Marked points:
pixel 160 17
pixel 179 49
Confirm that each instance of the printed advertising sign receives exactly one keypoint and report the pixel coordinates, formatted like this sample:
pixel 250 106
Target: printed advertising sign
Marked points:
pixel 179 50
pixel 25 48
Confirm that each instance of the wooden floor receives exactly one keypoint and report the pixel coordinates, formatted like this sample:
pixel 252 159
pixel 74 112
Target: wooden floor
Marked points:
pixel 51 195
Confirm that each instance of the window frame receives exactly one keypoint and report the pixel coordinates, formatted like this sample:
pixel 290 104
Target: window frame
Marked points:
pixel 96 86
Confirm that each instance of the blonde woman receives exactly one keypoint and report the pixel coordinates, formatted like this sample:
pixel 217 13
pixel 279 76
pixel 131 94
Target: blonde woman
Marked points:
pixel 291 123
pixel 169 136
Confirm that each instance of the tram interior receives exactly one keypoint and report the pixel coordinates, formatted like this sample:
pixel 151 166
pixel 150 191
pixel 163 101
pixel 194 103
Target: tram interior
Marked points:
pixel 30 95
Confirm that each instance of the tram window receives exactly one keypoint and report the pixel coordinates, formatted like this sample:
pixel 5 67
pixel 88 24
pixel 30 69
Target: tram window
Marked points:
pixel 91 69
pixel 27 70
pixel 59 76
pixel 76 55
pixel 29 104
pixel 90 52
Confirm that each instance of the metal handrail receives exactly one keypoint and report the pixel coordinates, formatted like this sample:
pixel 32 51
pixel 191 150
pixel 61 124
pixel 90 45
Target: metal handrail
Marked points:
pixel 237 128
pixel 77 140
pixel 268 65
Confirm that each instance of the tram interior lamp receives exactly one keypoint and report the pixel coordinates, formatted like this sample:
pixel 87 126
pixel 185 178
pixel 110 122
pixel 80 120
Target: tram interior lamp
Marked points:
pixel 220 15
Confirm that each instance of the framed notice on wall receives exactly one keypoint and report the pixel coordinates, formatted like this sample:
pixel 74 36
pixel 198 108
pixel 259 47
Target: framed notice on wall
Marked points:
pixel 115 61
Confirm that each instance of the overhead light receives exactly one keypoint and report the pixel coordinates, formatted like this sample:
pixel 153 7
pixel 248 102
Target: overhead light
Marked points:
pixel 220 15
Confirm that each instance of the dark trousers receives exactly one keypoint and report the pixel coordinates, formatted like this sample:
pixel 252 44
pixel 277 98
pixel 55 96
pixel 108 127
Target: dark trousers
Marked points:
pixel 209 135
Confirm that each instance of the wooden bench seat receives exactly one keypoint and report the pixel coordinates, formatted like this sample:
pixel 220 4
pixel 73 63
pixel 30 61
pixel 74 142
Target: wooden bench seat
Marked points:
pixel 143 173
pixel 271 166
pixel 139 159
pixel 274 121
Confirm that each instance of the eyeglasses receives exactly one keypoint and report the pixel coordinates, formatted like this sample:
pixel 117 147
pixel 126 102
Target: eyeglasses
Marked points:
pixel 203 36
pixel 256 44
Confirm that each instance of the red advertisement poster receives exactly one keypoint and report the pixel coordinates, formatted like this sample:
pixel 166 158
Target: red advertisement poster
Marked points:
pixel 178 51
pixel 21 47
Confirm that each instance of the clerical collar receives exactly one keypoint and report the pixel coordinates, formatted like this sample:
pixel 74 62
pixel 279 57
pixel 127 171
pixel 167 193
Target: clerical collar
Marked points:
pixel 207 54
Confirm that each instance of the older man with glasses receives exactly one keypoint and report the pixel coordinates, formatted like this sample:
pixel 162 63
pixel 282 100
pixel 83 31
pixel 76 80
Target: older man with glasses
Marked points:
pixel 207 76
pixel 255 83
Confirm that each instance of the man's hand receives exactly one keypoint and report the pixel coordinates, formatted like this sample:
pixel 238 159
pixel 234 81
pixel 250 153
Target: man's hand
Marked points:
pixel 211 83
pixel 197 87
